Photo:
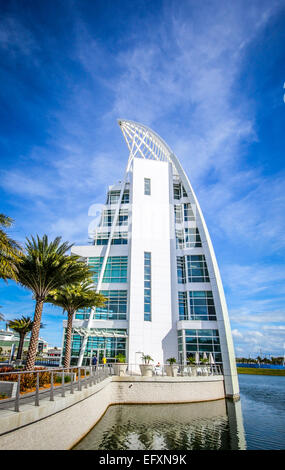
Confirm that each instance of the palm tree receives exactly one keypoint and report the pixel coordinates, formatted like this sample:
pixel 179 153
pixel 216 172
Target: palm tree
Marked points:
pixel 71 298
pixel 22 326
pixel 43 267
pixel 2 318
pixel 10 250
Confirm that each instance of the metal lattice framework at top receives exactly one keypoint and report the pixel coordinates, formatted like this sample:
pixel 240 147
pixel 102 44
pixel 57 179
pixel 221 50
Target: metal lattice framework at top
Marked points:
pixel 145 143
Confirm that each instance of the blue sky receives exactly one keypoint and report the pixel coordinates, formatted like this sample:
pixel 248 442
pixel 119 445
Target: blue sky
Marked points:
pixel 207 76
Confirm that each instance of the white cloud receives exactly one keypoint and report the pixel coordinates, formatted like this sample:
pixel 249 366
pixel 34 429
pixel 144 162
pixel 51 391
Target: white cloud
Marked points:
pixel 17 182
pixel 236 333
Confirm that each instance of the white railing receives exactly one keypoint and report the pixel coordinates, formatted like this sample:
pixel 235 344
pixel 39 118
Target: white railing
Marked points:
pixel 174 370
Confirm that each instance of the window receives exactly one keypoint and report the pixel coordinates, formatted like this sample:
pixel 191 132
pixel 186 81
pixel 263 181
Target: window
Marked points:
pixel 181 273
pixel 197 269
pixel 115 307
pixel 119 238
pixel 126 197
pixel 82 313
pixel 108 217
pixel 147 286
pixel 114 196
pixel 178 213
pixel 179 239
pixel 147 186
pixel 123 217
pixel 188 238
pixel 177 191
pixel 192 238
pixel 182 305
pixel 201 341
pixel 202 305
pixel 115 271
pixel 188 212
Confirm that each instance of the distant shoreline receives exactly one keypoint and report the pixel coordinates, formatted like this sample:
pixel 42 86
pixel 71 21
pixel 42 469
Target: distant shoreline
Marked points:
pixel 261 371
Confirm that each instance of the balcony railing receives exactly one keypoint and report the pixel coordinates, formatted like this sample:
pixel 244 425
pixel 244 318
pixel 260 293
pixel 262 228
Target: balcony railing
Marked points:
pixel 175 370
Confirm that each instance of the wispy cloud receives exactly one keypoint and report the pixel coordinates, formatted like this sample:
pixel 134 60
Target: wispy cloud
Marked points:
pixel 16 38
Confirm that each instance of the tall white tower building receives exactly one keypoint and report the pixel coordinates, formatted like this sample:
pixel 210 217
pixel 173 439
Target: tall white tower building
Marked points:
pixel 153 259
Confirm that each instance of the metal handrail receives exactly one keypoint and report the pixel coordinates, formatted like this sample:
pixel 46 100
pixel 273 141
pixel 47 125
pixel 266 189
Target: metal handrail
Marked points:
pixel 92 375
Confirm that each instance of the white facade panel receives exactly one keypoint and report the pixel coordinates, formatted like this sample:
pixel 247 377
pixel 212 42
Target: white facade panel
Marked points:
pixel 150 233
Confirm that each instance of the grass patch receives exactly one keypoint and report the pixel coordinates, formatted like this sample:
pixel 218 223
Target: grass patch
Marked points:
pixel 260 371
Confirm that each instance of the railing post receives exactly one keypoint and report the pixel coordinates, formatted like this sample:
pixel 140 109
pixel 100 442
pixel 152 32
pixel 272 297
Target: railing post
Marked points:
pixel 37 398
pixel 79 379
pixel 51 387
pixel 17 398
pixel 62 384
pixel 71 381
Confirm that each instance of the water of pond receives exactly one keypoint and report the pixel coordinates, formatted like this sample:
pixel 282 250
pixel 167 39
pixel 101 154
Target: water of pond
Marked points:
pixel 257 422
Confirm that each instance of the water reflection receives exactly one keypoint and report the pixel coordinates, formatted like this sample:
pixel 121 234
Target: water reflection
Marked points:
pixel 194 426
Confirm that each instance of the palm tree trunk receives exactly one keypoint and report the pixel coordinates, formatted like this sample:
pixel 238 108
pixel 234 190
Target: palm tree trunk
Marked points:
pixel 20 347
pixel 33 346
pixel 67 355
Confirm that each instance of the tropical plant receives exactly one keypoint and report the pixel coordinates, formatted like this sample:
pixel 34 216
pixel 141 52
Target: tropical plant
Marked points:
pixel 146 358
pixel 204 360
pixel 71 298
pixel 171 360
pixel 22 326
pixel 191 360
pixel 10 250
pixel 121 358
pixel 43 267
pixel 2 318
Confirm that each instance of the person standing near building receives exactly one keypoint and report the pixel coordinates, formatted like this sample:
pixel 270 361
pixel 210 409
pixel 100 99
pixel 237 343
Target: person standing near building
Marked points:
pixel 157 369
pixel 94 362
pixel 104 360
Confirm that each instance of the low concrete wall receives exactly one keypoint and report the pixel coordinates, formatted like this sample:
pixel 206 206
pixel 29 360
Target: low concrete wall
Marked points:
pixel 59 425
pixel 166 389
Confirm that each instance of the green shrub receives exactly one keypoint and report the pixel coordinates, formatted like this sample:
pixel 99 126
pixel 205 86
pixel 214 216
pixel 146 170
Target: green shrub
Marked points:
pixel 121 358
pixel 58 379
pixel 171 360
pixel 146 359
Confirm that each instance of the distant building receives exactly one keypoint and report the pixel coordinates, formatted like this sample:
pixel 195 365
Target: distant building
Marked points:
pixel 53 353
pixel 153 259
pixel 9 337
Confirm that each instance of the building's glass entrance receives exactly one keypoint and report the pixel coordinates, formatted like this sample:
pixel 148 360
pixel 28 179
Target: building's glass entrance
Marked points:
pixel 99 353
pixel 100 346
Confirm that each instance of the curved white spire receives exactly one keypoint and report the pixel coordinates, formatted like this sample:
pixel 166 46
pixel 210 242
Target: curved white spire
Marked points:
pixel 144 142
